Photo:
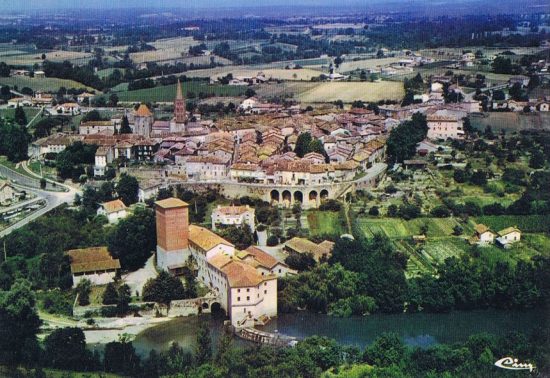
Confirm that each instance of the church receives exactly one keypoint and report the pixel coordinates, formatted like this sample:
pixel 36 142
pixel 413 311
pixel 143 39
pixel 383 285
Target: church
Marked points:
pixel 244 289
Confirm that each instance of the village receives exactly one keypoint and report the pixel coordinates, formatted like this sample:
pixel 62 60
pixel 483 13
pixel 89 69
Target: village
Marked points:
pixel 288 184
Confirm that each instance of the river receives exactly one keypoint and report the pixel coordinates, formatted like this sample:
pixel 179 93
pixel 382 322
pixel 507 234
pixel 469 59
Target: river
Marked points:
pixel 421 329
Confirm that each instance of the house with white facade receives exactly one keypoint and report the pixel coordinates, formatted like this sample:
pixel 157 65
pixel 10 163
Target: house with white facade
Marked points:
pixel 94 264
pixel 483 236
pixel 8 194
pixel 508 237
pixel 441 127
pixel 113 210
pixel 233 215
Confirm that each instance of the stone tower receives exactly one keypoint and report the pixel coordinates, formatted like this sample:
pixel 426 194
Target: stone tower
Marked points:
pixel 172 220
pixel 143 121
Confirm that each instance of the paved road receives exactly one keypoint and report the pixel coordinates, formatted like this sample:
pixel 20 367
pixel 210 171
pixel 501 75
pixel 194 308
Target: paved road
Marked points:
pixel 53 199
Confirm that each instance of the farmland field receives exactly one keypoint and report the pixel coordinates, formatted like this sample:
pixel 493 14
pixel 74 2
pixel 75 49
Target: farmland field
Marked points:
pixel 48 84
pixel 275 73
pixel 526 223
pixel 441 249
pixel 54 56
pixel 325 222
pixel 167 93
pixel 351 91
pixel 398 228
pixel 347 66
pixel 515 121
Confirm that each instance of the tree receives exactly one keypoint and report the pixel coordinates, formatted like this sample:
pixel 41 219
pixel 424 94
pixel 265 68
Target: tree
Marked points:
pixel 93 115
pixel 20 117
pixel 125 126
pixel 502 65
pixel 163 289
pixel 374 211
pixel 401 144
pixel 83 289
pixel 110 295
pixel 65 348
pixel 120 357
pixel 302 144
pixel 133 239
pixel 19 324
pixel 14 141
pixel 127 189
pixel 203 350
pixel 479 177
pixel 250 93
pixel 241 236
pixel 124 297
pixel 113 100
pixel 536 161
pixel 387 349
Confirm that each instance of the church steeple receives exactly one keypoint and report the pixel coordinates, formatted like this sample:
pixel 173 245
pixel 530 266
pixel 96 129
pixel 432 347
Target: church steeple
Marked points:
pixel 179 94
pixel 180 115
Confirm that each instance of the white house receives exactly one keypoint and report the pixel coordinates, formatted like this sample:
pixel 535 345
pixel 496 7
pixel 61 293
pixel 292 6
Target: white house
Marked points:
pixel 7 193
pixel 483 235
pixel 113 210
pixel 70 108
pixel 508 236
pixel 95 264
pixel 233 215
pixel 441 127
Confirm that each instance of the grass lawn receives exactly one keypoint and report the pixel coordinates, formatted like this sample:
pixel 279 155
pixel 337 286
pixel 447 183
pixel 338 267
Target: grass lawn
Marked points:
pixel 168 93
pixel 47 84
pixel 325 223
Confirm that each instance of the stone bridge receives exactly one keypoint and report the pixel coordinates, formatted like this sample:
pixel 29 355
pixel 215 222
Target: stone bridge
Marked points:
pixel 309 196
pixel 193 306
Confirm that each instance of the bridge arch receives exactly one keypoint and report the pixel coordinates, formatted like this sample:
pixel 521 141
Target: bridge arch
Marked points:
pixel 287 197
pixel 298 197
pixel 275 196
pixel 313 197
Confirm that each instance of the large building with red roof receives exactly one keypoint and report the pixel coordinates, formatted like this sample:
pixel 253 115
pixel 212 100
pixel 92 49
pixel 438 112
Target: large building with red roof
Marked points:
pixel 246 288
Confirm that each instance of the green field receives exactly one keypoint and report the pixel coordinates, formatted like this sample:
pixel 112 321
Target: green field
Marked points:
pixel 48 84
pixel 526 223
pixel 10 113
pixel 325 223
pixel 168 93
pixel 108 71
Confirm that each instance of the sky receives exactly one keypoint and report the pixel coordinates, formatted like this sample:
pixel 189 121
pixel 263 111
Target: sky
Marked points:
pixel 109 4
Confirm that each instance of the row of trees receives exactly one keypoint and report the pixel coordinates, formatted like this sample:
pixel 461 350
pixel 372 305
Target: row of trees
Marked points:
pixel 401 144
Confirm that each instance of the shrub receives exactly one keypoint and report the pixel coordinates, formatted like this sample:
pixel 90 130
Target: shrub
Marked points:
pixel 440 212
pixel 272 241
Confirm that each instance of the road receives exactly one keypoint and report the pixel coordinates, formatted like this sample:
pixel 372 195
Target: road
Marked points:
pixel 53 199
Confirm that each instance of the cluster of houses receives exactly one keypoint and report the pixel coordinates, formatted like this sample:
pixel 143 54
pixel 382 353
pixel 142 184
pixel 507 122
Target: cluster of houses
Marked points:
pixel 505 238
